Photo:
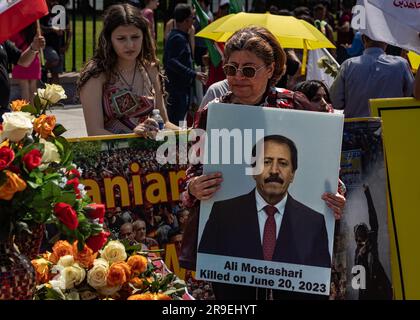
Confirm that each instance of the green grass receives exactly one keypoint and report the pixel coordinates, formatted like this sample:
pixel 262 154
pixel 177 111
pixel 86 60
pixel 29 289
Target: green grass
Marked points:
pixel 78 34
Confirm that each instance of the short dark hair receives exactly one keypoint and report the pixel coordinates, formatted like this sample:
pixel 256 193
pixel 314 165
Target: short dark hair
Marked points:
pixel 280 140
pixel 182 12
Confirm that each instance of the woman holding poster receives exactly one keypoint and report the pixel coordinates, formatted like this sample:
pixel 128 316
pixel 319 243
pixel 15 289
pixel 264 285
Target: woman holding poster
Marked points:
pixel 254 62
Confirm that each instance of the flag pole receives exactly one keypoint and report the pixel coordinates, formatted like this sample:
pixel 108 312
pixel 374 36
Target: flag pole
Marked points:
pixel 38 34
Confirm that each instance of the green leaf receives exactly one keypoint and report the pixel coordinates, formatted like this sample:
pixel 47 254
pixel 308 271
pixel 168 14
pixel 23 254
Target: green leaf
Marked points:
pixel 29 108
pixel 37 104
pixel 59 130
pixel 67 197
pixel 50 190
pixel 33 185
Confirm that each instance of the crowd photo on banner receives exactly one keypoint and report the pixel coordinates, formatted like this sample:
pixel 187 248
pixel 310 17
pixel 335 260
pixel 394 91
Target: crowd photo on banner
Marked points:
pixel 231 149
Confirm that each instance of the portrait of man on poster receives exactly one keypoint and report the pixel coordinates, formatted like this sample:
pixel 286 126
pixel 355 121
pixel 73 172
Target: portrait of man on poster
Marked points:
pixel 268 223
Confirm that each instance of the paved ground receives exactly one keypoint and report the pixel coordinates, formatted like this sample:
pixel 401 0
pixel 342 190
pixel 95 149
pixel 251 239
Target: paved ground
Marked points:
pixel 71 117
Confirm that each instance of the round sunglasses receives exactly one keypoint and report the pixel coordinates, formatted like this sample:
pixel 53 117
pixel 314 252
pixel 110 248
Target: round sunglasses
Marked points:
pixel 247 71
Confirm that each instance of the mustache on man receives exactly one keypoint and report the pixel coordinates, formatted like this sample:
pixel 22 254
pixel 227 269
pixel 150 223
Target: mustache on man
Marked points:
pixel 274 178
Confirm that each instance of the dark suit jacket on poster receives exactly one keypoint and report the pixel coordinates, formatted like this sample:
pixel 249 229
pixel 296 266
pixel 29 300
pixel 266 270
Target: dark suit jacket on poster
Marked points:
pixel 232 230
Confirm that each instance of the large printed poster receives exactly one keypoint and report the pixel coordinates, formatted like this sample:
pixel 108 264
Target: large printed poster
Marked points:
pixel 361 262
pixel 401 136
pixel 123 173
pixel 267 225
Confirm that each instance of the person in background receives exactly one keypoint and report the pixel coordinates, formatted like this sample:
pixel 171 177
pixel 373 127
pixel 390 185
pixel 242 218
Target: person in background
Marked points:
pixel 121 84
pixel 148 13
pixel 321 23
pixel 254 62
pixel 372 75
pixel 317 93
pixel 57 43
pixel 9 53
pixel 178 62
pixel 140 231
pixel 27 76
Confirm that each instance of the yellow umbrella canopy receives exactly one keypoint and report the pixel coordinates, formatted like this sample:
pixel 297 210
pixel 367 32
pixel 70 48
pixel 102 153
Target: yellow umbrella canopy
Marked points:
pixel 289 31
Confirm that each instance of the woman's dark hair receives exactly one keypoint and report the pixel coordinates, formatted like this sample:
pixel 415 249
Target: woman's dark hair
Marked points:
pixel 105 59
pixel 263 44
pixel 310 87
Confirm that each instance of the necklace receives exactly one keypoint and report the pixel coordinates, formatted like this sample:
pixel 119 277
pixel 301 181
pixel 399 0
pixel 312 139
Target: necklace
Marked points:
pixel 130 86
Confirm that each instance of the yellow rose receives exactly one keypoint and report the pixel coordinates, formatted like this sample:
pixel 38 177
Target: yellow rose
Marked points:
pixel 114 251
pixel 12 185
pixel 66 261
pixel 97 275
pixel 44 125
pixel 51 94
pixel 17 105
pixel 16 125
pixel 73 275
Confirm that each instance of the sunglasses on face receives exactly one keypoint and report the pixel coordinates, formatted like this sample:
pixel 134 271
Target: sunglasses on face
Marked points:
pixel 247 71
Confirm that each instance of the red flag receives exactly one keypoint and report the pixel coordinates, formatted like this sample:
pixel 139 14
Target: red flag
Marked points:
pixel 15 15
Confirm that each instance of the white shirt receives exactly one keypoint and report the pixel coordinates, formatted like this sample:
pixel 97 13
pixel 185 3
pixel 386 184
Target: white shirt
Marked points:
pixel 262 216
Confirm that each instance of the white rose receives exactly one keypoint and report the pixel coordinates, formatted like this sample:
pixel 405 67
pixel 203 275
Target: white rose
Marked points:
pixel 50 152
pixel 72 276
pixel 97 275
pixel 51 94
pixel 114 251
pixel 66 261
pixel 16 125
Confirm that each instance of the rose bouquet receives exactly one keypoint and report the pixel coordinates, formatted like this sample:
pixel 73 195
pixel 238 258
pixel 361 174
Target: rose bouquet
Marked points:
pixel 69 274
pixel 39 184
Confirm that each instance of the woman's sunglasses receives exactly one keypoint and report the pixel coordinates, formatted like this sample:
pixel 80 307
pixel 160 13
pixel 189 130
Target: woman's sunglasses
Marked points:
pixel 247 71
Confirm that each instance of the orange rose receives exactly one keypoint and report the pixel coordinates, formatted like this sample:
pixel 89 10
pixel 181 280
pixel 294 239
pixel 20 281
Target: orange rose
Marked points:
pixel 62 248
pixel 137 263
pixel 85 257
pixel 17 105
pixel 141 283
pixel 44 125
pixel 12 185
pixel 42 270
pixel 51 257
pixel 149 296
pixel 118 274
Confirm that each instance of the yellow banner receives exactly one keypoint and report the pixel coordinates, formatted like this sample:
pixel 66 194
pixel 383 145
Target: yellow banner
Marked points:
pixel 401 138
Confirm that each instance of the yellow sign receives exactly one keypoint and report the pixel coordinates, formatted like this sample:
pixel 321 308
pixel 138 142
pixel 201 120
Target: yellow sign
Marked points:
pixel 401 138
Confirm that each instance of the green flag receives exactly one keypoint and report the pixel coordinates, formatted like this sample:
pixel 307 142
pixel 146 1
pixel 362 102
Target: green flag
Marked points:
pixel 214 54
pixel 235 6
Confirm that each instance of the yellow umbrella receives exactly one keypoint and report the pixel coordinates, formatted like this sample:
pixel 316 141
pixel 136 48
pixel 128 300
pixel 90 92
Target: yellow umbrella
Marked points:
pixel 289 31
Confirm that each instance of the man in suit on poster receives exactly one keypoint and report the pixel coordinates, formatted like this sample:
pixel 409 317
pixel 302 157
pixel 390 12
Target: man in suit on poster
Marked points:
pixel 268 223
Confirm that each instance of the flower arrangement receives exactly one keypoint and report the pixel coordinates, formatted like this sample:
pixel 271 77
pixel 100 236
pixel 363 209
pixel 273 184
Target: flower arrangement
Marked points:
pixel 68 274
pixel 39 184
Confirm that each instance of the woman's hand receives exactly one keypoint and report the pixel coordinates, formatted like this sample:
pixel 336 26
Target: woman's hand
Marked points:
pixel 205 186
pixel 335 202
pixel 148 129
